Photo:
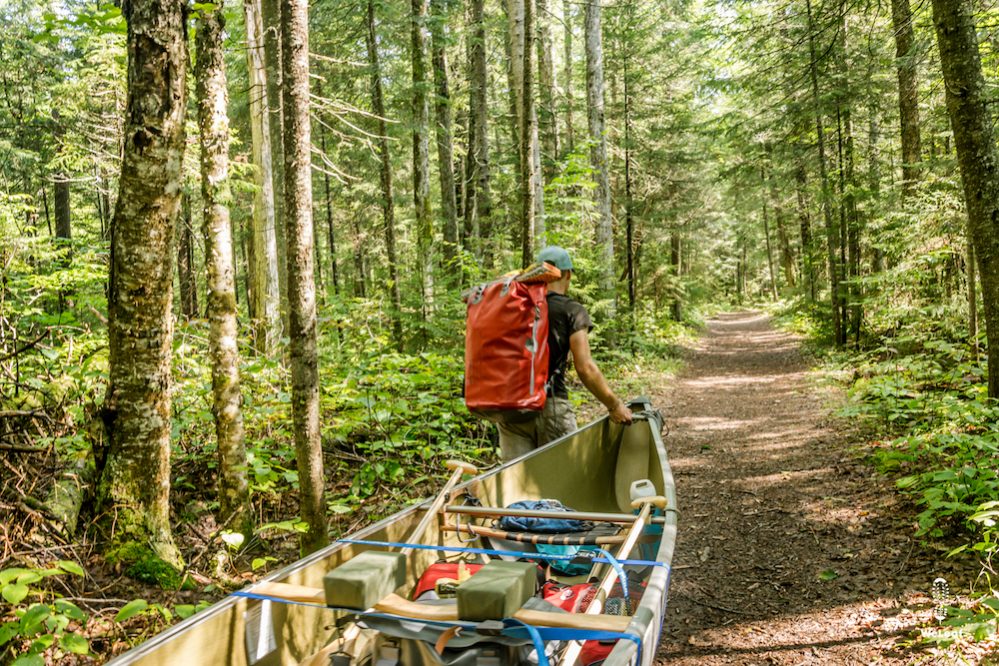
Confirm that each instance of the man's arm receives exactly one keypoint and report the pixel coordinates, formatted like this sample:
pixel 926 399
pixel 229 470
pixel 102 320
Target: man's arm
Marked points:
pixel 593 379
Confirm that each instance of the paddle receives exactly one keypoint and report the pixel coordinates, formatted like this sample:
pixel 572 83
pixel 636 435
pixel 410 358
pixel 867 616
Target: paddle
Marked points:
pixel 634 533
pixel 459 467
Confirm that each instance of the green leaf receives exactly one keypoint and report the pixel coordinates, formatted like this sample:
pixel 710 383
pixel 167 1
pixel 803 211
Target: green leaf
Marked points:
pixel 31 620
pixel 75 643
pixel 29 660
pixel 184 611
pixel 8 575
pixel 828 575
pixel 70 610
pixel 7 632
pixel 15 592
pixel 71 567
pixel 131 609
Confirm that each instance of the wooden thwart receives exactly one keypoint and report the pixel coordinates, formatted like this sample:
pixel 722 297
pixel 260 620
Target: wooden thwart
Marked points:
pixel 393 604
pixel 597 517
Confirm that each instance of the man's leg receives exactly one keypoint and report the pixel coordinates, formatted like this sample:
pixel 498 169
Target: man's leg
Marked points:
pixel 516 439
pixel 557 419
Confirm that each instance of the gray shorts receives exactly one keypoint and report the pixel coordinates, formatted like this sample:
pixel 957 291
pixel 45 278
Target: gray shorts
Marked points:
pixel 556 419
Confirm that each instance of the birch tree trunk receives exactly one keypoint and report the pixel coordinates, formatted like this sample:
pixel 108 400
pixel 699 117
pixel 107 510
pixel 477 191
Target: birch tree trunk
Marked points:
pixel 908 92
pixel 135 476
pixel 977 156
pixel 598 151
pixel 301 286
pixel 547 125
pixel 421 152
pixel 569 142
pixel 385 174
pixel 266 296
pixel 445 149
pixel 271 16
pixel 213 121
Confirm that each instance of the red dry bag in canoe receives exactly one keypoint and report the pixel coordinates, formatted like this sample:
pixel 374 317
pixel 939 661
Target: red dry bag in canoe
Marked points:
pixel 506 350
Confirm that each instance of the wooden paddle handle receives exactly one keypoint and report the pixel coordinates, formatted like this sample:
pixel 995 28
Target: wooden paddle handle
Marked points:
pixel 459 468
pixel 465 467
pixel 657 501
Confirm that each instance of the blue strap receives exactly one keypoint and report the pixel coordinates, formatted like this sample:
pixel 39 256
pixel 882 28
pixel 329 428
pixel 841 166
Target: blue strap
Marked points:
pixel 539 645
pixel 513 628
pixel 566 634
pixel 491 551
pixel 621 575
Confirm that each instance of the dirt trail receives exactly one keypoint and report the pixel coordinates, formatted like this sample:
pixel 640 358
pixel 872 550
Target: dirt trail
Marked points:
pixel 790 551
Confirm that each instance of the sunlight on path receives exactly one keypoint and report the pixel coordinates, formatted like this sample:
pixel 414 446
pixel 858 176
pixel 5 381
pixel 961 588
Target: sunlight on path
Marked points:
pixel 782 552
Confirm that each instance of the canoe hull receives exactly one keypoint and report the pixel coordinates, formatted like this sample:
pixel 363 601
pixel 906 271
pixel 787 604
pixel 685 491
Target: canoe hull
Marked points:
pixel 604 458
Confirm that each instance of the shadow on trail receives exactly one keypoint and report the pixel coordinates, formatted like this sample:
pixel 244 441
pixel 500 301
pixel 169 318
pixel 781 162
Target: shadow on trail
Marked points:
pixel 788 551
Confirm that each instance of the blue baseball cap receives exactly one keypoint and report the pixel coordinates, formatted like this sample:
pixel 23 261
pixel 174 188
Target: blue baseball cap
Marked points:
pixel 557 257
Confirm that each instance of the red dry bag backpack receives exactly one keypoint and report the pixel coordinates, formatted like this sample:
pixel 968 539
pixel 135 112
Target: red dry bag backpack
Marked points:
pixel 506 347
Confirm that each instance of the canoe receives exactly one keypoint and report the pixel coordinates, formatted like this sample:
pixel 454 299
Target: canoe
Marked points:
pixel 590 470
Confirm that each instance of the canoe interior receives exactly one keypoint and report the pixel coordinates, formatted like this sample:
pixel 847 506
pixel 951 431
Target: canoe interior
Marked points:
pixel 588 470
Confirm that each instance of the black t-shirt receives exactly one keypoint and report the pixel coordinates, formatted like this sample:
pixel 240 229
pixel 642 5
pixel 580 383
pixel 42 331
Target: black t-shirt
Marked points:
pixel 565 317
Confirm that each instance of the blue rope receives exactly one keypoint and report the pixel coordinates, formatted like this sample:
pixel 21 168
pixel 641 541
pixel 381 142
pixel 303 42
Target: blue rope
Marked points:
pixel 510 553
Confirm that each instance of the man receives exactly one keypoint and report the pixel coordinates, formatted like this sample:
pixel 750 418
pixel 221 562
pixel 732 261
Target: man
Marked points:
pixel 568 331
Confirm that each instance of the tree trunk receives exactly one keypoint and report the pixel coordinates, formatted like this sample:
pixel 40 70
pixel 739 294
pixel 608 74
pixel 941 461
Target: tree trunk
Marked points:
pixel 478 206
pixel 629 220
pixel 851 230
pixel 976 154
pixel 972 298
pixel 185 262
pixel 783 239
pixel 528 137
pixel 598 152
pixel 676 304
pixel 213 121
pixel 547 125
pixel 385 173
pixel 135 476
pixel 570 143
pixel 63 210
pixel 272 54
pixel 832 232
pixel 805 227
pixel 908 92
pixel 301 287
pixel 445 148
pixel 331 233
pixel 766 234
pixel 266 295
pixel 421 154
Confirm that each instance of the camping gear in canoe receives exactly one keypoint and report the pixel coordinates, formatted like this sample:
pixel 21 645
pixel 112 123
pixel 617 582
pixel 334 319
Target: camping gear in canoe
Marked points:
pixel 504 609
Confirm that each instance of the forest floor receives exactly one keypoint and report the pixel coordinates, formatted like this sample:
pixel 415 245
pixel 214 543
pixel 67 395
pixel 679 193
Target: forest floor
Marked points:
pixel 791 549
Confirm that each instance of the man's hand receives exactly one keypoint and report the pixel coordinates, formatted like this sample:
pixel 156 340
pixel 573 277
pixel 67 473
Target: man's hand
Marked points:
pixel 621 413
